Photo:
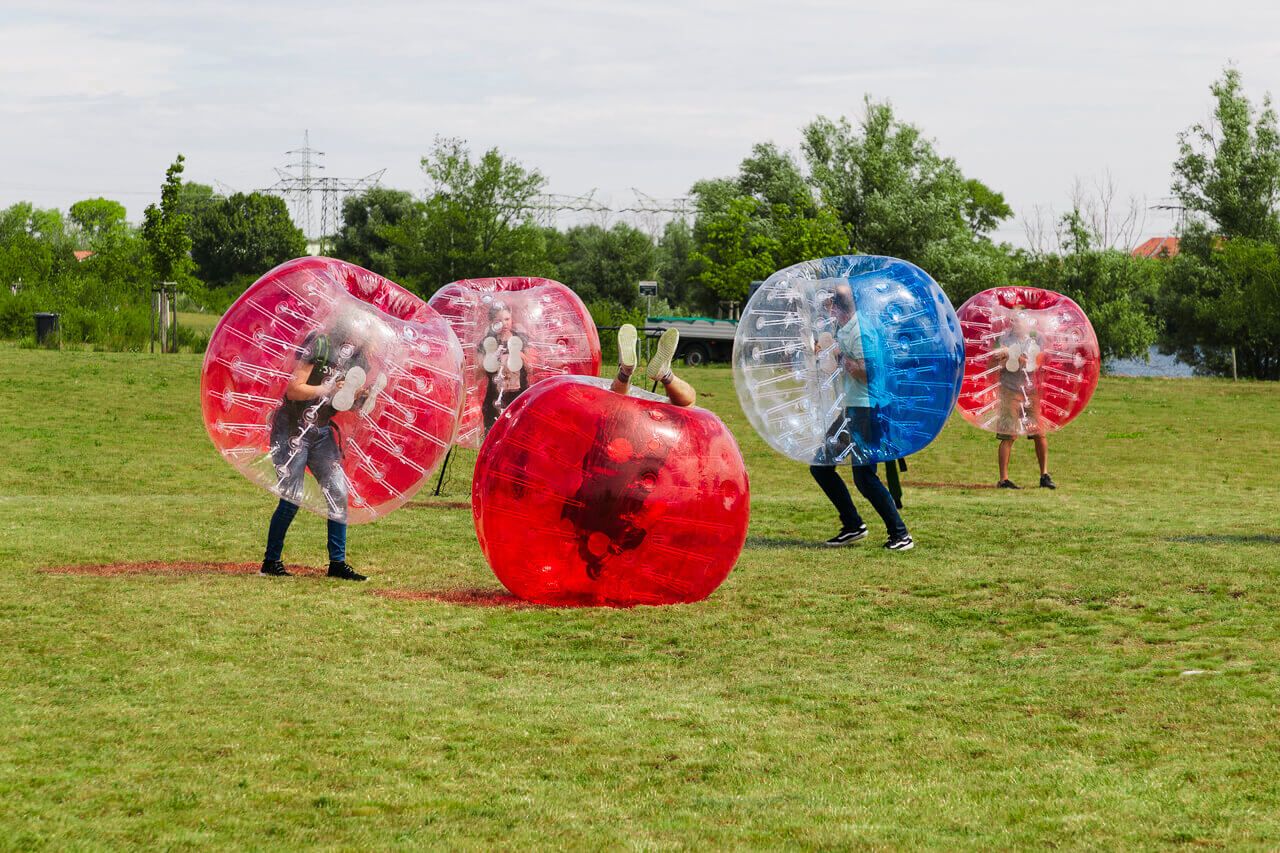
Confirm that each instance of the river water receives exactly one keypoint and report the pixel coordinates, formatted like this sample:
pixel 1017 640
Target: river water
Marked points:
pixel 1166 366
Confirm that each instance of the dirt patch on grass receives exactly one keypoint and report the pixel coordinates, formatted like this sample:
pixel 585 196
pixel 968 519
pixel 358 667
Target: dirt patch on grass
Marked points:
pixel 467 597
pixel 930 484
pixel 113 570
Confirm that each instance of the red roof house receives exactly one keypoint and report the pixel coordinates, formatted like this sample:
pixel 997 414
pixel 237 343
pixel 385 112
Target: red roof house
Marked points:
pixel 1157 247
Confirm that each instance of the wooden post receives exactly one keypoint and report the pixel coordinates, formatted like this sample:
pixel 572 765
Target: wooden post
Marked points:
pixel 1234 375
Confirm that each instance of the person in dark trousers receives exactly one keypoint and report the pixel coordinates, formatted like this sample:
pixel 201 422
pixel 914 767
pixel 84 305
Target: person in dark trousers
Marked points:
pixel 303 437
pixel 855 350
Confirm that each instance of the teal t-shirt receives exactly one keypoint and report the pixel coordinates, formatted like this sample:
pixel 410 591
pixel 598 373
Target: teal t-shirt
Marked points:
pixel 862 342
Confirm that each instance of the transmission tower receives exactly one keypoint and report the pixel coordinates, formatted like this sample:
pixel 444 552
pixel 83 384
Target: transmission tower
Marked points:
pixel 642 210
pixel 298 184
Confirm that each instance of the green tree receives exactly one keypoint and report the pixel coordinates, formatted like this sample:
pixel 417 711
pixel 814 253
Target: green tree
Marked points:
pixel 118 271
pixel 1224 295
pixel 984 208
pixel 36 250
pixel 885 180
pixel 97 216
pixel 1219 294
pixel 165 230
pixel 900 197
pixel 763 219
pixel 1228 170
pixel 677 272
pixel 605 264
pixel 1116 290
pixel 194 198
pixel 477 220
pixel 243 236
pixel 374 228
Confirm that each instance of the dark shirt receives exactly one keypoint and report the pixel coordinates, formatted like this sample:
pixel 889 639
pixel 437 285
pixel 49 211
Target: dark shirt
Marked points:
pixel 329 360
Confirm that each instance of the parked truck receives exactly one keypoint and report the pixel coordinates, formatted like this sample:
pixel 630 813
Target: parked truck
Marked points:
pixel 702 339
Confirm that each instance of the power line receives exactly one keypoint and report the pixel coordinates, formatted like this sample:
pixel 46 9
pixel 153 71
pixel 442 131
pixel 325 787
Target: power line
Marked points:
pixel 299 184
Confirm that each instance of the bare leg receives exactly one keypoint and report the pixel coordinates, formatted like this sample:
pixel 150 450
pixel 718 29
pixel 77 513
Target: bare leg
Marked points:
pixel 1006 451
pixel 626 359
pixel 679 392
pixel 1042 453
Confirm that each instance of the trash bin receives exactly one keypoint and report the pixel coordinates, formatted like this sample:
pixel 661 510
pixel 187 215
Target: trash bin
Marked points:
pixel 47 329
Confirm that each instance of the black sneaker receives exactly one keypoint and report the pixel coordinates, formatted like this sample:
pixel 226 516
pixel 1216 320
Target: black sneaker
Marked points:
pixel 342 571
pixel 846 537
pixel 273 569
pixel 902 544
pixel 1007 484
pixel 1046 482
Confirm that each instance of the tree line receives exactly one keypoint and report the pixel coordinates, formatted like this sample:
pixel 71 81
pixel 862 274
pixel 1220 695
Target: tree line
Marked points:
pixel 874 185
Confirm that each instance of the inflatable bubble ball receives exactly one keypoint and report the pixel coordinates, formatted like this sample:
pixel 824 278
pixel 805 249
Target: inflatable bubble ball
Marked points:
pixel 856 358
pixel 514 333
pixel 1031 360
pixel 583 496
pixel 325 367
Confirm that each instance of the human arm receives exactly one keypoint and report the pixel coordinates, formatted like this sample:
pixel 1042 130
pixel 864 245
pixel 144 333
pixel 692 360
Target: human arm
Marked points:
pixel 855 367
pixel 299 389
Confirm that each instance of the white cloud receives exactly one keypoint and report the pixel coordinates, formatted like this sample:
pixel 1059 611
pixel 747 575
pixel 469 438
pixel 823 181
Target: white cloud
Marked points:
pixel 654 94
pixel 44 61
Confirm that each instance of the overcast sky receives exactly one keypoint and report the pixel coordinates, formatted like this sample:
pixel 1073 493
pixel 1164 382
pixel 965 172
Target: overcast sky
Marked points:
pixel 1025 95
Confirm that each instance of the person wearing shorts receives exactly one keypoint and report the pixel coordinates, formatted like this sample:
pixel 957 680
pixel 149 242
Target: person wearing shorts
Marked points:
pixel 860 428
pixel 1016 355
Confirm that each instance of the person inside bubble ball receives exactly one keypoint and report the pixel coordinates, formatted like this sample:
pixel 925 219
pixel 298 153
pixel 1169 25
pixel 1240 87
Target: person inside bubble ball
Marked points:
pixel 329 377
pixel 659 369
pixel 1017 355
pixel 856 349
pixel 505 358
pixel 611 507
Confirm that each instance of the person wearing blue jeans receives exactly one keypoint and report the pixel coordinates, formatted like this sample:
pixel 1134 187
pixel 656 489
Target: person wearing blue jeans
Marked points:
pixel 855 353
pixel 303 437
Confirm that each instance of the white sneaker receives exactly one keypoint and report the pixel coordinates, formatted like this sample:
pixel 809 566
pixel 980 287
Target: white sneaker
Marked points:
pixel 846 537
pixel 660 365
pixel 627 346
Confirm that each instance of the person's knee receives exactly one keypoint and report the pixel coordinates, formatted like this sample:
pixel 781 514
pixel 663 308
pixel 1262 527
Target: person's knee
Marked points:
pixel 865 478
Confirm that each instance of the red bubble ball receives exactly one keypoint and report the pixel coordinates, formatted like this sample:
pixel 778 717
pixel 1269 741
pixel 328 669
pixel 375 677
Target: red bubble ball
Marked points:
pixel 514 333
pixel 1031 360
pixel 398 360
pixel 583 496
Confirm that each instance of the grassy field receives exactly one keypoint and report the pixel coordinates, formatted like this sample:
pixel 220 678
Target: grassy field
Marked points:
pixel 1091 667
pixel 200 323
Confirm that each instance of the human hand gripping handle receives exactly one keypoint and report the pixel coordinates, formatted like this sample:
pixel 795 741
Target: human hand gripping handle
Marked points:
pixel 345 397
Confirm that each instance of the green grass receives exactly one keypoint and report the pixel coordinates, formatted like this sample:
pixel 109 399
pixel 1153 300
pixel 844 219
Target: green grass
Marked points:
pixel 197 322
pixel 1018 680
